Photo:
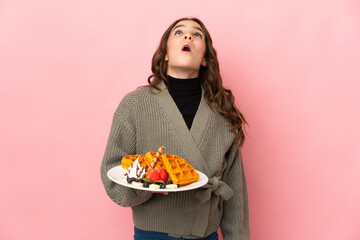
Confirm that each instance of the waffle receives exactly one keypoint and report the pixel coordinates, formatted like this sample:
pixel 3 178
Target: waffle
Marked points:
pixel 130 159
pixel 179 170
pixel 144 161
pixel 150 156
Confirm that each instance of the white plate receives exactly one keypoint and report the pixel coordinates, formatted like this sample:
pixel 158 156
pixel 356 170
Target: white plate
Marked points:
pixel 116 174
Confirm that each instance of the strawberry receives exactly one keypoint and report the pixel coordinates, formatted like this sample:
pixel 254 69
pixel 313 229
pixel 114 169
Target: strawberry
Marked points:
pixel 149 173
pixel 155 176
pixel 158 169
pixel 163 175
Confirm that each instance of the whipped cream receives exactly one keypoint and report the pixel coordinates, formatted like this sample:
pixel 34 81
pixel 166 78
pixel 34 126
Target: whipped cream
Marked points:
pixel 135 170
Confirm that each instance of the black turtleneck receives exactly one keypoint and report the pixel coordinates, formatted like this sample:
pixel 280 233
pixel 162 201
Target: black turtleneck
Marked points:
pixel 186 93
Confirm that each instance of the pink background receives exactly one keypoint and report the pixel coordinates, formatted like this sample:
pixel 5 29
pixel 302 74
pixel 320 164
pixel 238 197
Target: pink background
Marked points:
pixel 292 65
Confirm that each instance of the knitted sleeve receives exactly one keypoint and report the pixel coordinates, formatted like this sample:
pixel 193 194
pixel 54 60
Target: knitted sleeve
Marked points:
pixel 121 142
pixel 235 221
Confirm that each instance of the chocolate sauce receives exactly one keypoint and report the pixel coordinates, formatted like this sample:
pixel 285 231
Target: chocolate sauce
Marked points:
pixel 139 171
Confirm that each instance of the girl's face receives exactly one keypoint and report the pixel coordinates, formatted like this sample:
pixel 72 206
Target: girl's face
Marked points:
pixel 185 50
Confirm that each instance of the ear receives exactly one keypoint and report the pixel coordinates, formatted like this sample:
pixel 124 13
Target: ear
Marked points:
pixel 203 62
pixel 166 58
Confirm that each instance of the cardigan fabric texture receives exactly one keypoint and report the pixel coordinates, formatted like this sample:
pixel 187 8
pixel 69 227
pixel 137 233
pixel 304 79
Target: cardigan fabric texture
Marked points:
pixel 146 119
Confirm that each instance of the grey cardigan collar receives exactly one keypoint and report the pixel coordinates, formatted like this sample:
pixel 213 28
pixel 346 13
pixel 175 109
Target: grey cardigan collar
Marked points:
pixel 190 141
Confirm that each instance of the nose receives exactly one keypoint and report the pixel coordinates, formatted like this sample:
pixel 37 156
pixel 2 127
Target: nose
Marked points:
pixel 187 37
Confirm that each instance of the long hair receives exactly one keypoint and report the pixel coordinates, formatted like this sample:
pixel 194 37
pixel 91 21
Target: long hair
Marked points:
pixel 217 97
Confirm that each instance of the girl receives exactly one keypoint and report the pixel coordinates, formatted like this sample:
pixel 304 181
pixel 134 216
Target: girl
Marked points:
pixel 186 109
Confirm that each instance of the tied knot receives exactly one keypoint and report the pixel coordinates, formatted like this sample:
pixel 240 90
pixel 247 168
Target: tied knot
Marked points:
pixel 216 186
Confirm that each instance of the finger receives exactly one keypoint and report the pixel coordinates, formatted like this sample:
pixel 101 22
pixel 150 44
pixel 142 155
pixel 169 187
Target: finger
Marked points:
pixel 165 193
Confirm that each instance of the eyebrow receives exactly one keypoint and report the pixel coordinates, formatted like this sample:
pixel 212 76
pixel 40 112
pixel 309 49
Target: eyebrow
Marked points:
pixel 181 25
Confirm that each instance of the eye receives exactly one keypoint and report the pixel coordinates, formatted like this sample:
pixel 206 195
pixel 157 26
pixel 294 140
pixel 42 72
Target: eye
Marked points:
pixel 177 32
pixel 198 35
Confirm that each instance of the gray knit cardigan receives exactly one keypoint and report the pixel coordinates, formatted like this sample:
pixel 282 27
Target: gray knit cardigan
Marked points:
pixel 143 122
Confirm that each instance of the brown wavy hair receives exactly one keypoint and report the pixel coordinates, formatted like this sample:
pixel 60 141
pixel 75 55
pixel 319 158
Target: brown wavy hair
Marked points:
pixel 217 97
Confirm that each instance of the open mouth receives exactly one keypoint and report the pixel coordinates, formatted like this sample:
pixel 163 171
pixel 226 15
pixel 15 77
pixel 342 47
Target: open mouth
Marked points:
pixel 186 48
